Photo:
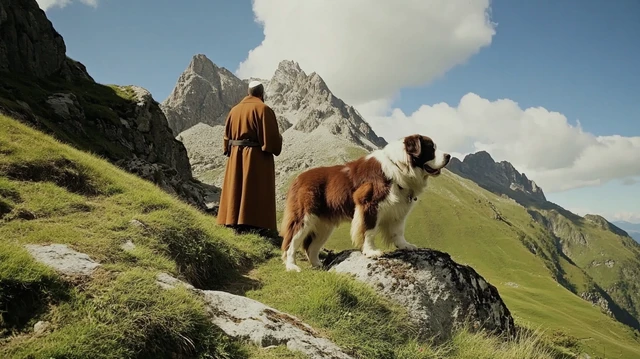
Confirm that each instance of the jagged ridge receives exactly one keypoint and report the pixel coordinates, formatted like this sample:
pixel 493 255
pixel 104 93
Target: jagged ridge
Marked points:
pixel 205 93
pixel 603 251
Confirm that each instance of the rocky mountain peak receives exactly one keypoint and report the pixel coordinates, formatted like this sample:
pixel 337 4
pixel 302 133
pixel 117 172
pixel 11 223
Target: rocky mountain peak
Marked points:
pixel 498 177
pixel 203 93
pixel 306 102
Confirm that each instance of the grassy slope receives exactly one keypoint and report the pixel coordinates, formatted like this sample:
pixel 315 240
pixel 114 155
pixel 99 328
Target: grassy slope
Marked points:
pixel 87 203
pixel 52 193
pixel 456 216
pixel 621 277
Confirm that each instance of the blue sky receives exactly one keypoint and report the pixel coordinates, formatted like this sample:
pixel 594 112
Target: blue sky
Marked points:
pixel 576 57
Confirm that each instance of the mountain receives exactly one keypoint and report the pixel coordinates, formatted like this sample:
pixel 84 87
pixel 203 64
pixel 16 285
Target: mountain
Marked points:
pixel 204 93
pixel 632 228
pixel 317 127
pixel 89 251
pixel 606 253
pixel 499 177
pixel 44 88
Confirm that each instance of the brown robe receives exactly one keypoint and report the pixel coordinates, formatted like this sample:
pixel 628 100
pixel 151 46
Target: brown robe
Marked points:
pixel 249 189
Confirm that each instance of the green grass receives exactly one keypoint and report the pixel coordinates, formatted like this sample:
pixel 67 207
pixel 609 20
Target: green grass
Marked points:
pixel 54 193
pixel 455 216
pixel 57 194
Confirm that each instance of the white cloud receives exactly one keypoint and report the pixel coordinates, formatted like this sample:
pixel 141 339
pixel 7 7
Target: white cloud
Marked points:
pixel 368 50
pixel 555 153
pixel 48 4
pixel 627 216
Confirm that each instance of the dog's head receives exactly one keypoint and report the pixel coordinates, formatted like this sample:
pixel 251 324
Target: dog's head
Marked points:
pixel 424 155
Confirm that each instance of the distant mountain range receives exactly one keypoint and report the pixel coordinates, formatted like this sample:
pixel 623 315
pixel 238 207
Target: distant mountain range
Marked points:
pixel 632 228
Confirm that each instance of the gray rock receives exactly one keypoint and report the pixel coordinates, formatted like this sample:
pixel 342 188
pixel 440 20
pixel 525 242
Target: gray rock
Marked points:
pixel 41 327
pixel 247 319
pixel 63 259
pixel 306 102
pixel 66 105
pixel 439 294
pixel 204 93
pixel 498 177
pixel 128 246
pixel 30 45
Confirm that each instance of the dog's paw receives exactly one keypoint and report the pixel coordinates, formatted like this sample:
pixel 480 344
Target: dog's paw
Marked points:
pixel 408 246
pixel 372 253
pixel 293 268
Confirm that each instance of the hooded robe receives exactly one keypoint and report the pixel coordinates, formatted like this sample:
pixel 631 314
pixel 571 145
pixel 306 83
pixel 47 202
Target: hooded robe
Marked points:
pixel 249 189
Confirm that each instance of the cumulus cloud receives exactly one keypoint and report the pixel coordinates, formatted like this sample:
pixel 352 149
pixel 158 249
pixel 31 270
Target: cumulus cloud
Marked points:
pixel 48 4
pixel 556 154
pixel 367 50
pixel 627 216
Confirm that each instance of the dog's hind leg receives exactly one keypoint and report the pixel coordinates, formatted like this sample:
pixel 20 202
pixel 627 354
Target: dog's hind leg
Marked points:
pixel 306 229
pixel 321 234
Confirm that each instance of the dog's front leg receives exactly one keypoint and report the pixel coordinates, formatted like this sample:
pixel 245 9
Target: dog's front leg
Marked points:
pixel 397 236
pixel 368 248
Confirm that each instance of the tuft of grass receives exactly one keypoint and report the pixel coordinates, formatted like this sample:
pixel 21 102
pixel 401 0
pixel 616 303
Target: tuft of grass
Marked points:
pixel 26 288
pixel 126 317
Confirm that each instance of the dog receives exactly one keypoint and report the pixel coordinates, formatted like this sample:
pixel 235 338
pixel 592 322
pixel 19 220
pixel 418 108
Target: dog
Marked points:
pixel 376 192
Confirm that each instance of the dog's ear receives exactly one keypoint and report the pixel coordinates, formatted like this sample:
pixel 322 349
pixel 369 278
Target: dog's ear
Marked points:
pixel 413 145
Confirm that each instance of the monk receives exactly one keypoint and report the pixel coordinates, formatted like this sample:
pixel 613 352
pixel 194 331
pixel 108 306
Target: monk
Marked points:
pixel 251 140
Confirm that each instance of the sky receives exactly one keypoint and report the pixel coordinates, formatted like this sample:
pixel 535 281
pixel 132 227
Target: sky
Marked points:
pixel 551 86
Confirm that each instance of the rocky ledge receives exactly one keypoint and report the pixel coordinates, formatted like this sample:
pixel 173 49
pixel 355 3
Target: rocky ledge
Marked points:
pixel 439 294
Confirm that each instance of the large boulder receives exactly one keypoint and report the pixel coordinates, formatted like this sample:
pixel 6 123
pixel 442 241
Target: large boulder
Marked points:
pixel 439 294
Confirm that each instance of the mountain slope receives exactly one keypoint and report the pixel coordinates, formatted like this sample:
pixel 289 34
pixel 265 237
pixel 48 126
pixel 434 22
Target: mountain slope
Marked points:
pixel 602 250
pixel 499 238
pixel 53 193
pixel 632 228
pixel 43 87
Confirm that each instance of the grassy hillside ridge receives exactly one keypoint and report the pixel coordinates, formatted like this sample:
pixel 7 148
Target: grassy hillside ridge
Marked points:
pixel 52 193
pixel 599 248
pixel 499 238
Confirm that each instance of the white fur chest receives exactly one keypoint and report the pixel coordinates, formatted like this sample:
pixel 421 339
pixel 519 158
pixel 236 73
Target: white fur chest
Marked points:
pixel 397 205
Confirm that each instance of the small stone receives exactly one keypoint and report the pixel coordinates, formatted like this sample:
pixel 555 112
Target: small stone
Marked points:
pixel 128 246
pixel 41 327
pixel 63 259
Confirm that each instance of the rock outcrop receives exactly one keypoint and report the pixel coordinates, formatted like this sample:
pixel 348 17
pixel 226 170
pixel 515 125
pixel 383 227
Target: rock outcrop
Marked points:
pixel 498 177
pixel 246 319
pixel 30 45
pixel 122 124
pixel 439 294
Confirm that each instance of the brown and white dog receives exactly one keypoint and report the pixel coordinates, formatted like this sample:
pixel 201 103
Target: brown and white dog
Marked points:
pixel 376 192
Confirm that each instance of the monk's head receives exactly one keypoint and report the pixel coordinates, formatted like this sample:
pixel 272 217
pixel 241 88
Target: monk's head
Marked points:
pixel 256 89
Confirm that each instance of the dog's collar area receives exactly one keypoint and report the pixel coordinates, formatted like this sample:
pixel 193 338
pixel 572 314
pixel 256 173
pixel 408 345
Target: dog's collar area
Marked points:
pixel 411 197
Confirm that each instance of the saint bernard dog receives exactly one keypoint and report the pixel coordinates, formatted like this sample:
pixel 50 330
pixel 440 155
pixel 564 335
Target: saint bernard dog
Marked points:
pixel 375 192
